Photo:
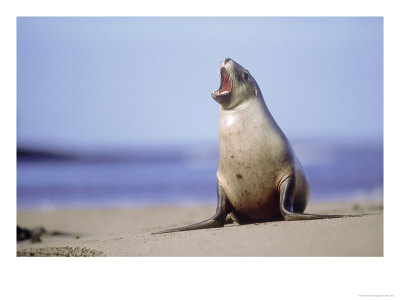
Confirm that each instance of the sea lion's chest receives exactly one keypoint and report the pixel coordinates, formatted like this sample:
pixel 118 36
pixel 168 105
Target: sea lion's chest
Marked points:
pixel 254 158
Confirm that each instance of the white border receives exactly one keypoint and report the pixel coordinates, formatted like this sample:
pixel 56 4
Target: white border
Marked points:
pixel 198 278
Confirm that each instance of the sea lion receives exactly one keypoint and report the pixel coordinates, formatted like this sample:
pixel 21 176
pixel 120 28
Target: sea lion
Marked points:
pixel 259 177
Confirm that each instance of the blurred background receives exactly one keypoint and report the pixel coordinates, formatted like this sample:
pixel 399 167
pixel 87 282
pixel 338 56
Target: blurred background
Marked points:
pixel 118 111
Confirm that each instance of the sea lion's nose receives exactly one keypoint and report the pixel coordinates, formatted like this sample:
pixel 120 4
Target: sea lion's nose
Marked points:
pixel 227 60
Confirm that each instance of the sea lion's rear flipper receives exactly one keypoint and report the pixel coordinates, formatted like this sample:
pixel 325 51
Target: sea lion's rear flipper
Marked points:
pixel 286 204
pixel 218 220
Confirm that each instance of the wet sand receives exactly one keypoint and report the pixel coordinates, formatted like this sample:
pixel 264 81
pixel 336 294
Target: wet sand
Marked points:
pixel 127 232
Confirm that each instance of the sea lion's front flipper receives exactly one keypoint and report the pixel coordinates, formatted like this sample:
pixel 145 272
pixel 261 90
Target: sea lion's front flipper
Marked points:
pixel 218 220
pixel 286 204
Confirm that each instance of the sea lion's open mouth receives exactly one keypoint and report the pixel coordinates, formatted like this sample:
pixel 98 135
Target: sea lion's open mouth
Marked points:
pixel 225 87
pixel 226 84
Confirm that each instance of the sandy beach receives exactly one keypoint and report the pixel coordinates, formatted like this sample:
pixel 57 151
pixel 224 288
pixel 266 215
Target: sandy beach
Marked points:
pixel 127 232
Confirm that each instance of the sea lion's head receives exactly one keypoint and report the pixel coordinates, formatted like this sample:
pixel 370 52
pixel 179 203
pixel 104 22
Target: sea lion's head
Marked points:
pixel 237 85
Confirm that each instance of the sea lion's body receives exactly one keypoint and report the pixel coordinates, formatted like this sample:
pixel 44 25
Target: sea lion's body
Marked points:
pixel 255 157
pixel 259 177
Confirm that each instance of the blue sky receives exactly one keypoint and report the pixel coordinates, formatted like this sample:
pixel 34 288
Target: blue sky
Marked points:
pixel 123 82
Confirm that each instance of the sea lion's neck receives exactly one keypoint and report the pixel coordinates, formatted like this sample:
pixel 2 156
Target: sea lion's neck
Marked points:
pixel 252 112
pixel 239 106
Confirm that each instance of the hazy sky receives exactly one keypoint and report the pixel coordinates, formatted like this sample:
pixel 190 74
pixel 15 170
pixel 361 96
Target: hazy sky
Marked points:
pixel 112 82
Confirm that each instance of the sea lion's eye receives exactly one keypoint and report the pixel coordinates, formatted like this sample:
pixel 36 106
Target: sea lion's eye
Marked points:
pixel 245 76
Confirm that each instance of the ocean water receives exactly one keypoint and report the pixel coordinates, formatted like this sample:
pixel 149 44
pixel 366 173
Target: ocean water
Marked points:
pixel 163 176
